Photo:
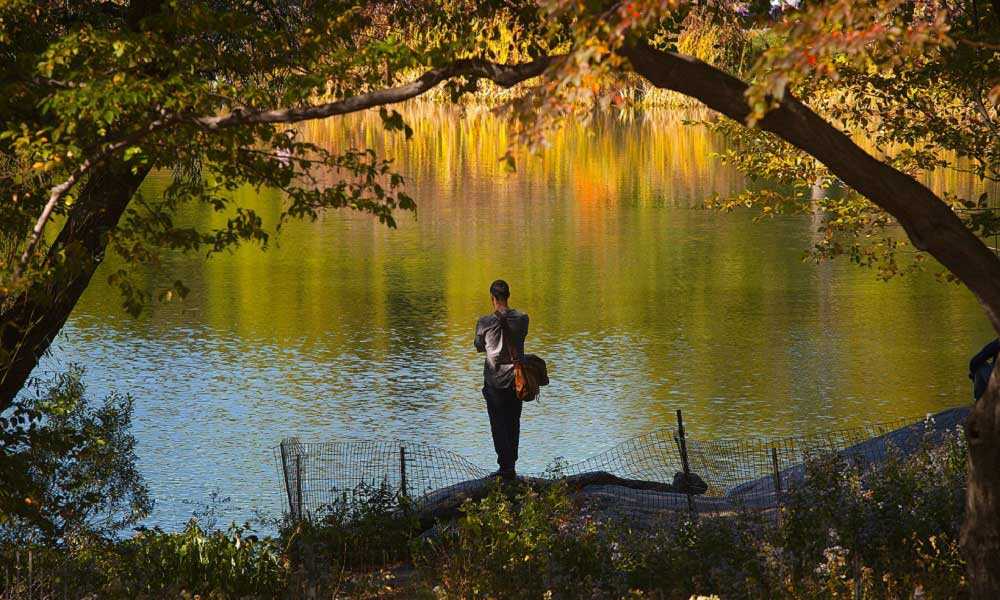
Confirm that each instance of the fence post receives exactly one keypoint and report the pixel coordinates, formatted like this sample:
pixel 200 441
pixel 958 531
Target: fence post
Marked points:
pixel 777 475
pixel 298 482
pixel 777 482
pixel 402 471
pixel 684 462
pixel 284 471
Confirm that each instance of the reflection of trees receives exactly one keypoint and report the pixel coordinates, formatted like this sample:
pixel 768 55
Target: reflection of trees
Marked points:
pixel 601 240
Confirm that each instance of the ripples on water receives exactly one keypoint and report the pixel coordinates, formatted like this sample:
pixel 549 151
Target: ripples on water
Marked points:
pixel 641 303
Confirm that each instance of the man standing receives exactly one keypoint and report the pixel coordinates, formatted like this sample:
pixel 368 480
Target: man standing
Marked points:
pixel 495 334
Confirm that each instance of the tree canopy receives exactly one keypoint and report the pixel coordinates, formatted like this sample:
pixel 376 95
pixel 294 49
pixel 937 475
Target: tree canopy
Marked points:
pixel 861 98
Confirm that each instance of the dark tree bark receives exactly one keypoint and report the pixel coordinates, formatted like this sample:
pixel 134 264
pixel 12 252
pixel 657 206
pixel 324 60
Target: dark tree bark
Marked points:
pixel 931 226
pixel 32 320
pixel 981 527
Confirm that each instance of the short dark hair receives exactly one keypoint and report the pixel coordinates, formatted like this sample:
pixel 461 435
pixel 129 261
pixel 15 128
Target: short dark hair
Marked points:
pixel 500 290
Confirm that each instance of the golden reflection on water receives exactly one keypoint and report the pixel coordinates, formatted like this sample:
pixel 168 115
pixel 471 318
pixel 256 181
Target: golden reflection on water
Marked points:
pixel 641 302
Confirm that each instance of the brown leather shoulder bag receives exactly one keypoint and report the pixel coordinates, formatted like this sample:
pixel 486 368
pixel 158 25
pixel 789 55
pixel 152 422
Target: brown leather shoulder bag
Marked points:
pixel 530 371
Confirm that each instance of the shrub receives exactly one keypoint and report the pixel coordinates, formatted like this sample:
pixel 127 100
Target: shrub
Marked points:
pixel 365 528
pixel 885 532
pixel 230 564
pixel 362 530
pixel 683 557
pixel 522 543
pixel 894 528
pixel 68 466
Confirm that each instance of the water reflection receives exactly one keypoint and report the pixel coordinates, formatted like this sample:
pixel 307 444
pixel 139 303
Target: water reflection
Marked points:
pixel 641 302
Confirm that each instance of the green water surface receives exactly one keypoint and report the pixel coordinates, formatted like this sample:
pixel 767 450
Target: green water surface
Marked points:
pixel 640 301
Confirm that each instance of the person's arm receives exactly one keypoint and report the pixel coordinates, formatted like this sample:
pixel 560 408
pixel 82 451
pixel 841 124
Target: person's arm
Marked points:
pixel 480 340
pixel 989 351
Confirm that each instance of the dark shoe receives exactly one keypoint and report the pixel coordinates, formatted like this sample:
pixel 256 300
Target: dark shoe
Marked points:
pixel 506 475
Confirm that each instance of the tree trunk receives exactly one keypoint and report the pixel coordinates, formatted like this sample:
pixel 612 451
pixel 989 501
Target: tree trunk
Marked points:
pixel 980 539
pixel 931 226
pixel 33 319
pixel 30 322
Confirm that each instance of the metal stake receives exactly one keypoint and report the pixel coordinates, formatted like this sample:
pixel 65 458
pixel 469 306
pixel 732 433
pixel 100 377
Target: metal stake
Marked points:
pixel 402 471
pixel 684 462
pixel 284 471
pixel 298 483
pixel 777 474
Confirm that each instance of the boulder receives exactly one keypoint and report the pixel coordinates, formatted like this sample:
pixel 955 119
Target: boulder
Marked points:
pixel 693 484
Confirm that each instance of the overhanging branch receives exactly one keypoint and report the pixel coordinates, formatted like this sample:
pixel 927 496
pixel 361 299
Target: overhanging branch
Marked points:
pixel 503 75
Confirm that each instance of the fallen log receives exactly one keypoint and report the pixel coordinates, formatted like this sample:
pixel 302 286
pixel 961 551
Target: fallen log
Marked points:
pixel 446 503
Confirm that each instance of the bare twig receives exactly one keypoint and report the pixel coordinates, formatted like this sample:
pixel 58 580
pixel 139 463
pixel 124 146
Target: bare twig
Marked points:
pixel 976 44
pixel 59 192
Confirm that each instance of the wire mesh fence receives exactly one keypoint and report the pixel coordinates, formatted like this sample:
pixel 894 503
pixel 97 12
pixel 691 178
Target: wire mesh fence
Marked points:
pixel 654 473
pixel 317 475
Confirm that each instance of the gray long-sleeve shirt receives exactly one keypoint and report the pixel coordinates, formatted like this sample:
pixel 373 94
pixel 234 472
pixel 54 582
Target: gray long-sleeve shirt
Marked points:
pixel 498 370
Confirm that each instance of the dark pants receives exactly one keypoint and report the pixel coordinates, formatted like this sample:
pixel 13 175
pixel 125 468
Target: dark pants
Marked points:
pixel 504 409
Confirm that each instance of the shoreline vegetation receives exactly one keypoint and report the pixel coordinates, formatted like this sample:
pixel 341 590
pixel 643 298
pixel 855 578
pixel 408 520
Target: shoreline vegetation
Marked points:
pixel 845 529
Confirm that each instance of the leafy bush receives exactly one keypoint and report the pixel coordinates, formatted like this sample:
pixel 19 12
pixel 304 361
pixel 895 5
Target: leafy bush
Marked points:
pixel 683 557
pixel 895 528
pixel 68 466
pixel 364 529
pixel 521 543
pixel 886 532
pixel 154 564
pixel 230 564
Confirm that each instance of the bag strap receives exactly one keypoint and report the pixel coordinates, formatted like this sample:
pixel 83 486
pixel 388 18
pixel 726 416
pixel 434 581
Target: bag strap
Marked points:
pixel 504 331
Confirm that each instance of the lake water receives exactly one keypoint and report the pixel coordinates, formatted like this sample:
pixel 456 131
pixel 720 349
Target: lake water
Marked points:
pixel 641 302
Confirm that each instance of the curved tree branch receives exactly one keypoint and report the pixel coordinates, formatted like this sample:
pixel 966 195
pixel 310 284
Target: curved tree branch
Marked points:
pixel 927 220
pixel 58 192
pixel 504 75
